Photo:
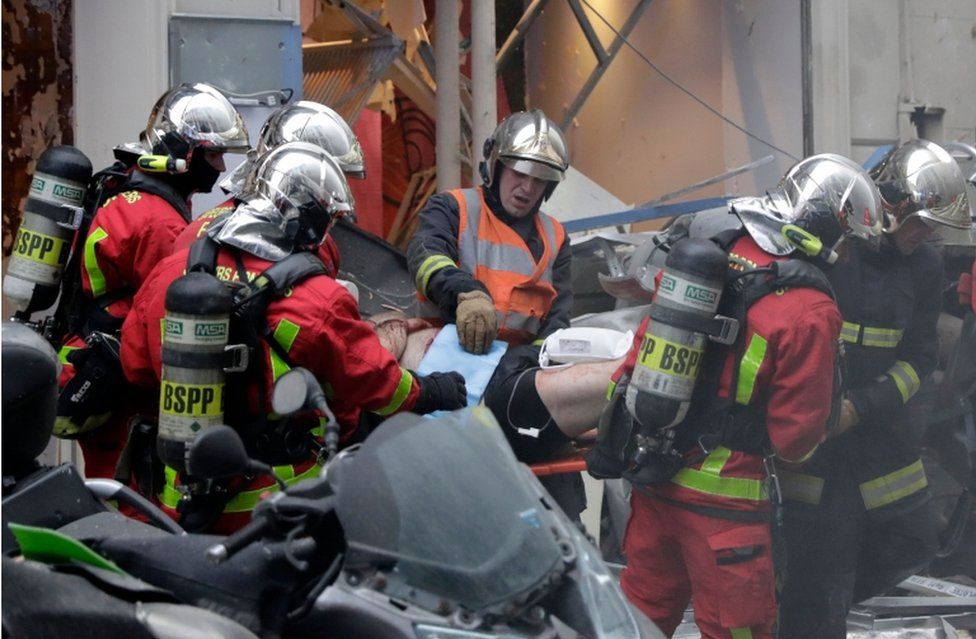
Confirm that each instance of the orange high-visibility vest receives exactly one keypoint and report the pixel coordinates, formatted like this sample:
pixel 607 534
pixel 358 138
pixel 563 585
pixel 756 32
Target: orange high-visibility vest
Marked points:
pixel 494 253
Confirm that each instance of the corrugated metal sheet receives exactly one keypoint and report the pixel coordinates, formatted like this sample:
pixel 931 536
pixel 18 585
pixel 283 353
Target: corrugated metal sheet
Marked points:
pixel 342 75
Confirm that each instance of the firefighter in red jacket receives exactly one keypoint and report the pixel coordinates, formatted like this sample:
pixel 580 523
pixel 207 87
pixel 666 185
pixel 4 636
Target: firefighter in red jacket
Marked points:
pixel 701 531
pixel 303 121
pixel 488 260
pixel 296 193
pixel 193 126
pixel 859 516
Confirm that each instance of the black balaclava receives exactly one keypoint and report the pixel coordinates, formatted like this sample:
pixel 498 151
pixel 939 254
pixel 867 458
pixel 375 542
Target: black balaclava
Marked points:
pixel 200 176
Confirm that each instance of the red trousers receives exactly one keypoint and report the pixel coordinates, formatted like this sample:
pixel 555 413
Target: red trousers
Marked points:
pixel 675 556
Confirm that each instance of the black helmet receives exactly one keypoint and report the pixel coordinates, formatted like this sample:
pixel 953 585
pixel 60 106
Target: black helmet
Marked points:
pixel 30 396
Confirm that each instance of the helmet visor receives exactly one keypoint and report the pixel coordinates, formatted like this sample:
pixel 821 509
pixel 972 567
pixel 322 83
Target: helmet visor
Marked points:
pixel 236 179
pixel 533 168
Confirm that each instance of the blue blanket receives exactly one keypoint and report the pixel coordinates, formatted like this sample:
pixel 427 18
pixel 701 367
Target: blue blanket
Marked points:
pixel 446 354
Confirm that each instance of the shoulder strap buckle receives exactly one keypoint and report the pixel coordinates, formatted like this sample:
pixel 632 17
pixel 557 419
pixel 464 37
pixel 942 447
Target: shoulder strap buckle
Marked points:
pixel 238 357
pixel 72 217
pixel 725 330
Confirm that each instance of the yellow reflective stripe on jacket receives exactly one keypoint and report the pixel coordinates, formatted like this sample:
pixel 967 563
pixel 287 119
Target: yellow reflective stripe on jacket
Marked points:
pixel 399 395
pixel 430 266
pixel 709 480
pixel 247 500
pixel 894 486
pixel 801 487
pixel 611 387
pixel 284 333
pixel 95 275
pixel 169 496
pixel 741 633
pixel 749 368
pixel 906 379
pixel 64 352
pixel 242 502
pixel 873 336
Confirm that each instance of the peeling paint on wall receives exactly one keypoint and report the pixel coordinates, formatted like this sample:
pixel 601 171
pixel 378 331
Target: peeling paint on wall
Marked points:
pixel 37 94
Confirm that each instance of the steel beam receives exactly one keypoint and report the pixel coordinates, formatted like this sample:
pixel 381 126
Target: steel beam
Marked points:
pixel 602 66
pixel 518 33
pixel 591 37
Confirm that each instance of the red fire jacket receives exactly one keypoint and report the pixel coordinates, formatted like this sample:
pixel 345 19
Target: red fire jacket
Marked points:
pixel 131 233
pixel 787 368
pixel 318 325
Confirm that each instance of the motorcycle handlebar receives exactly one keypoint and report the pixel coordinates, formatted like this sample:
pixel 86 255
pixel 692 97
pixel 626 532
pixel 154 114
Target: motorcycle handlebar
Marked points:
pixel 238 540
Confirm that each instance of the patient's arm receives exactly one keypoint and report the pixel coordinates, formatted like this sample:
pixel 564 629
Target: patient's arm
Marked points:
pixel 401 335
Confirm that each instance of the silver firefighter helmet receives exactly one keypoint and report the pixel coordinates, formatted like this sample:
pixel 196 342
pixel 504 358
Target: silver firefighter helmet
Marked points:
pixel 291 199
pixel 528 142
pixel 303 121
pixel 192 116
pixel 921 179
pixel 821 201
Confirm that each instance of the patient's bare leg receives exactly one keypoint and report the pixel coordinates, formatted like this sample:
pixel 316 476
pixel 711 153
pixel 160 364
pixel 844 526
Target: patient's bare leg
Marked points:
pixel 575 396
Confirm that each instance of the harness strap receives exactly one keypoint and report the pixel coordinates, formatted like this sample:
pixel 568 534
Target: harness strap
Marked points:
pixel 139 181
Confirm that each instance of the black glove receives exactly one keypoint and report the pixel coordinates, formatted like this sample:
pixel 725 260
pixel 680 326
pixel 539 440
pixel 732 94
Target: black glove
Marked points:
pixel 441 391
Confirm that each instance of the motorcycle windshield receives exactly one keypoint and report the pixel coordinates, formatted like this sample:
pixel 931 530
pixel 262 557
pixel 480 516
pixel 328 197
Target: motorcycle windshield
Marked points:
pixel 442 499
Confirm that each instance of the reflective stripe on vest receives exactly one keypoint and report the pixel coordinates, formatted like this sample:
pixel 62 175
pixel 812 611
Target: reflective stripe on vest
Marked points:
pixel 708 479
pixel 906 379
pixel 873 336
pixel 496 255
pixel 801 487
pixel 244 501
pixel 95 276
pixel 741 633
pixel 399 395
pixel 894 486
pixel 749 367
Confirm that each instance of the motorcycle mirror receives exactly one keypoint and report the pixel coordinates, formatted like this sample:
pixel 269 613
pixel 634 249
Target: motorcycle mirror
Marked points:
pixel 217 452
pixel 298 390
pixel 294 391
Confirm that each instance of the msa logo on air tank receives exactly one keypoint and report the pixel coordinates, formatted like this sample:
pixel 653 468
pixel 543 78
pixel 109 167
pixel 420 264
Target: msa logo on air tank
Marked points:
pixel 68 192
pixel 700 294
pixel 210 329
pixel 674 359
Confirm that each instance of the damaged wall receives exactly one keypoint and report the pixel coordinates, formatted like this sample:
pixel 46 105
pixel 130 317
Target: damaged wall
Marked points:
pixel 37 95
pixel 638 135
pixel 918 55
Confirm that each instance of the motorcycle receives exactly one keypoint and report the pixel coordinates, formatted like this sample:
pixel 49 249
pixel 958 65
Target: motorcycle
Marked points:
pixel 429 529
